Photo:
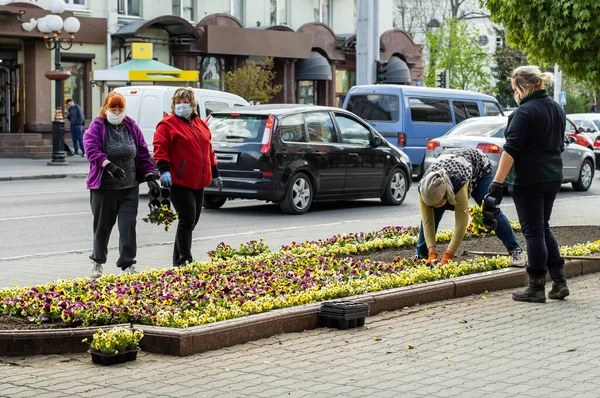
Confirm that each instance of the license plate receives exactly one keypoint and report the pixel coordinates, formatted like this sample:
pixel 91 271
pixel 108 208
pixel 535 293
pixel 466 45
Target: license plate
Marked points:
pixel 227 157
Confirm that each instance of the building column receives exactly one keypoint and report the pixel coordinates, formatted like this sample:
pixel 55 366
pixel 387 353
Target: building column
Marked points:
pixel 38 91
pixel 332 84
pixel 284 75
pixel 185 61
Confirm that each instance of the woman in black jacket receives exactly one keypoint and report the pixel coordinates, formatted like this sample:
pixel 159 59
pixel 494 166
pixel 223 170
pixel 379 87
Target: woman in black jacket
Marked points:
pixel 532 167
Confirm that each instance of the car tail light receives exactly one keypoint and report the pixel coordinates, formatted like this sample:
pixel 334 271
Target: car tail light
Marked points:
pixel 267 174
pixel 432 145
pixel 597 143
pixel 401 139
pixel 133 92
pixel 234 114
pixel 207 118
pixel 265 146
pixel 488 148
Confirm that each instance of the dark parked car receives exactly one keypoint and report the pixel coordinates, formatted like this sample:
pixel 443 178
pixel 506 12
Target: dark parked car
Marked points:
pixel 296 154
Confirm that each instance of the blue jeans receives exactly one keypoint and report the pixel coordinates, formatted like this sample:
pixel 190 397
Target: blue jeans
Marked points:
pixel 77 136
pixel 504 230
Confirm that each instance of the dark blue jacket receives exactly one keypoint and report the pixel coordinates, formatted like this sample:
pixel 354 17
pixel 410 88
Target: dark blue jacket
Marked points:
pixel 75 115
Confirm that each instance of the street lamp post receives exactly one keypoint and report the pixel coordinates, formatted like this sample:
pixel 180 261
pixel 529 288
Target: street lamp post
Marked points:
pixel 52 26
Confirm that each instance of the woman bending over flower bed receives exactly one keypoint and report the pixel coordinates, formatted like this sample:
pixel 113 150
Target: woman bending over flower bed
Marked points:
pixel 457 174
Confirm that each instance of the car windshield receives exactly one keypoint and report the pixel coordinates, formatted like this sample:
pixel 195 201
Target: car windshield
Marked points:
pixel 586 124
pixel 479 128
pixel 236 127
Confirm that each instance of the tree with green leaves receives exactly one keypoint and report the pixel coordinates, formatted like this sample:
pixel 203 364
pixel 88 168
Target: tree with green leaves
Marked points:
pixel 506 60
pixel 253 82
pixel 580 95
pixel 549 31
pixel 454 47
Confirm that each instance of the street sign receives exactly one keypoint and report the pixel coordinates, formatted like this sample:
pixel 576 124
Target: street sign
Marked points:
pixel 563 98
pixel 418 82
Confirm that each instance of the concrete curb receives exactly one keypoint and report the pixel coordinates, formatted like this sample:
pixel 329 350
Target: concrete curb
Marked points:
pixel 47 341
pixel 44 177
pixel 198 339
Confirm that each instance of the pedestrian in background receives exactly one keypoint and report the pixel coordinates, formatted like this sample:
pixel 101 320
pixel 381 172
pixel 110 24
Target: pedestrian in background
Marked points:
pixel 456 175
pixel 76 117
pixel 185 158
pixel 532 166
pixel 119 162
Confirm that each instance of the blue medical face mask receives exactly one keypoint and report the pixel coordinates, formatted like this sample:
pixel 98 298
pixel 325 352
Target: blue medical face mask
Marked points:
pixel 183 110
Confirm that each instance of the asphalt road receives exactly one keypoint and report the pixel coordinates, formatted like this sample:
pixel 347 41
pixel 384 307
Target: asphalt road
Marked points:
pixel 53 216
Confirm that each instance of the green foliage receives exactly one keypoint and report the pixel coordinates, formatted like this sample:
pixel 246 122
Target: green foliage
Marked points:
pixel 453 46
pixel 161 215
pixel 564 32
pixel 252 248
pixel 579 95
pixel 576 103
pixel 253 82
pixel 507 59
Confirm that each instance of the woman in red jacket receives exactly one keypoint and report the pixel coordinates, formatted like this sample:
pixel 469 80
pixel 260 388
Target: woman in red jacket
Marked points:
pixel 187 163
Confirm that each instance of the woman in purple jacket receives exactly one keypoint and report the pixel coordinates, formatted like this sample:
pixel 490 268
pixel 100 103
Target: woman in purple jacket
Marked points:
pixel 119 162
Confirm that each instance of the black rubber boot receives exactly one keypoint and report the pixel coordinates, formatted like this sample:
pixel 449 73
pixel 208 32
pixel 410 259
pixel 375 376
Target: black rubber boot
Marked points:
pixel 559 284
pixel 533 293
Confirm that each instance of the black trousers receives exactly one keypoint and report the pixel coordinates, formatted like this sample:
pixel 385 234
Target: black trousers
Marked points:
pixel 534 207
pixel 188 204
pixel 108 206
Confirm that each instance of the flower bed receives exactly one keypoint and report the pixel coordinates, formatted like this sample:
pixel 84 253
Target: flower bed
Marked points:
pixel 238 283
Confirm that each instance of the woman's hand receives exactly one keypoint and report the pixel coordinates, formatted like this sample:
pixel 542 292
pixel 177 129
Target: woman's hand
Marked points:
pixel 448 256
pixel 165 179
pixel 115 171
pixel 496 190
pixel 433 256
pixel 218 181
pixel 153 185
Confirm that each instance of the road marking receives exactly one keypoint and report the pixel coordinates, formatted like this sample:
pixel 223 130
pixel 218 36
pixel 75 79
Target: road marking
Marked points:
pixel 42 193
pixel 204 238
pixel 44 216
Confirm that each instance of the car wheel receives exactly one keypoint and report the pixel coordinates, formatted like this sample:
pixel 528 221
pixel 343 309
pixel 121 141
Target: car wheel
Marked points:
pixel 396 188
pixel 213 201
pixel 586 176
pixel 298 195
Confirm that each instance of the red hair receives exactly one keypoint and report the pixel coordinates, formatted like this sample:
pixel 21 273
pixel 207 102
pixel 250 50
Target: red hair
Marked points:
pixel 112 100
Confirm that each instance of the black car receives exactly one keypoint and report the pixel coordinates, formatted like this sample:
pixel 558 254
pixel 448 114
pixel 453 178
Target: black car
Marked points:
pixel 296 154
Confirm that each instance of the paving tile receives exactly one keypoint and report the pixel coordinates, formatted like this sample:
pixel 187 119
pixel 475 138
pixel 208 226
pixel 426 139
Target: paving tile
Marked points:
pixel 509 359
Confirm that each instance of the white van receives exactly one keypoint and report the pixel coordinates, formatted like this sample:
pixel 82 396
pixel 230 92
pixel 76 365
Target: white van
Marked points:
pixel 147 105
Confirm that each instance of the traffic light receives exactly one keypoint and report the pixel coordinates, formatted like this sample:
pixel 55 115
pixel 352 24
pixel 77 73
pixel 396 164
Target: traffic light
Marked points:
pixel 441 82
pixel 380 71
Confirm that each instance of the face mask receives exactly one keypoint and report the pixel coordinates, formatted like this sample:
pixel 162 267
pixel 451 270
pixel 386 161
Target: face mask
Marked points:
pixel 183 110
pixel 517 98
pixel 115 119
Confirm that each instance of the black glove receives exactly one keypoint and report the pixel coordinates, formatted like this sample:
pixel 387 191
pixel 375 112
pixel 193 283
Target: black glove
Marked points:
pixel 115 171
pixel 153 185
pixel 490 211
pixel 496 190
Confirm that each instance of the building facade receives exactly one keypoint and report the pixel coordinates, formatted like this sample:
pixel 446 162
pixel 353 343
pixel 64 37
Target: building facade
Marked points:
pixel 312 44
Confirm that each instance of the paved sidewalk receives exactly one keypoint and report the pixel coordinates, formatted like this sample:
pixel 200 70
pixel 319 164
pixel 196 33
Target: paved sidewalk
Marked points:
pixel 33 169
pixel 486 345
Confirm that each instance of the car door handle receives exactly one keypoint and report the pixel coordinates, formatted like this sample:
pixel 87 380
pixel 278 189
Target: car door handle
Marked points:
pixel 317 153
pixel 353 154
